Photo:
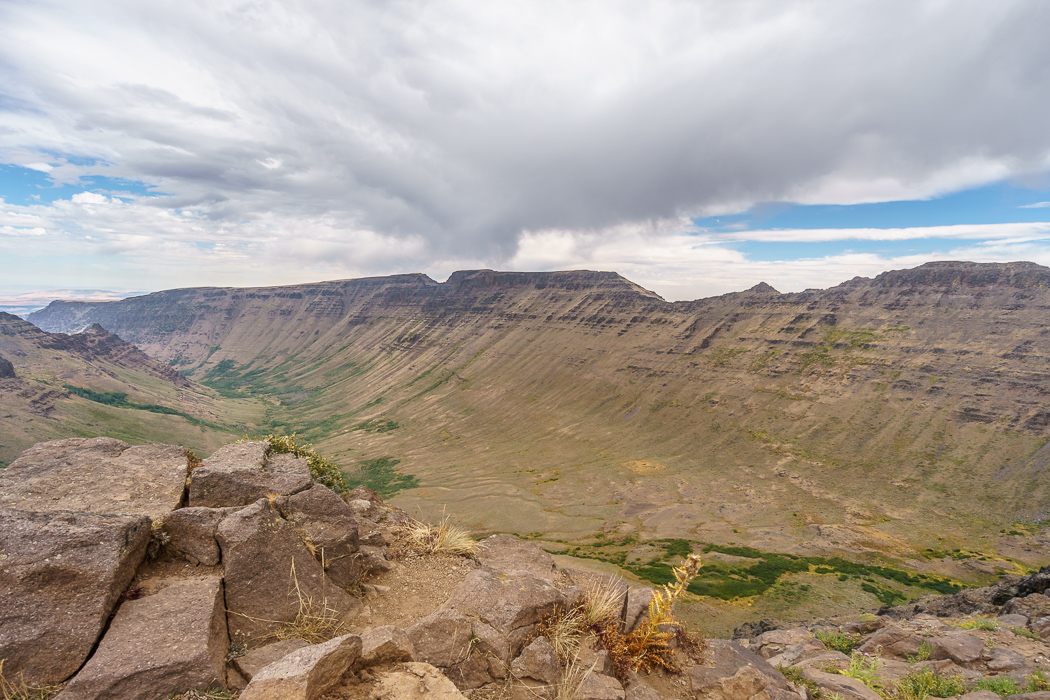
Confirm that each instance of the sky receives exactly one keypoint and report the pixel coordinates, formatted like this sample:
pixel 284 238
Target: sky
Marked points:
pixel 696 147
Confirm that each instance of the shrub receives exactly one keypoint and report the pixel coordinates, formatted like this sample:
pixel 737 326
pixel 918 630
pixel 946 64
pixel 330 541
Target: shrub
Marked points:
pixel 979 623
pixel 923 683
pixel 865 667
pixel 1022 632
pixel 443 538
pixel 322 471
pixel 838 641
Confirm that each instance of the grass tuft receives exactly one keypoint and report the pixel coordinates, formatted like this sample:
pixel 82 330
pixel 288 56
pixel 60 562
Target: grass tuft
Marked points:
pixel 19 689
pixel 314 622
pixel 564 629
pixel 322 470
pixel 838 641
pixel 443 538
pixel 924 682
pixel 980 623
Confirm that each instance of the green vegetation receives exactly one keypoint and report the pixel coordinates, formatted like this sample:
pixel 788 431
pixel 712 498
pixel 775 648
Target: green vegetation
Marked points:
pixel 865 668
pixel 377 425
pixel 1022 632
pixel 119 399
pixel 743 580
pixel 924 683
pixel 922 653
pixel 380 476
pixel 1035 682
pixel 838 641
pixel 322 471
pixel 980 623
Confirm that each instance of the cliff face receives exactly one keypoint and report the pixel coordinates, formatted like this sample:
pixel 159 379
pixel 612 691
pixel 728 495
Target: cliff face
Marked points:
pixel 566 403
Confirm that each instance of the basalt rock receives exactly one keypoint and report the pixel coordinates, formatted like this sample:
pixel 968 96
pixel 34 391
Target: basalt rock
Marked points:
pixel 61 575
pixel 172 641
pixel 97 475
pixel 242 473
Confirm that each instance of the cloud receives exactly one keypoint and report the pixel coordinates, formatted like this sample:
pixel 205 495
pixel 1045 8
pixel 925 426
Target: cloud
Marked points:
pixel 297 140
pixel 1037 205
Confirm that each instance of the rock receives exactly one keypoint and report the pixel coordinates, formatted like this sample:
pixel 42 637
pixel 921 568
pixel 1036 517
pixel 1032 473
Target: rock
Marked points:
pixel 638 689
pixel 61 576
pixel 638 598
pixel 97 475
pixel 386 644
pixel 1032 606
pixel 1041 626
pixel 442 638
pixel 512 605
pixel 1012 620
pixel 864 627
pixel 538 662
pixel 257 659
pixel 731 672
pixel 800 651
pixel 843 686
pixel 964 649
pixel 7 370
pixel 305 674
pixel 597 660
pixel 331 526
pixel 823 660
pixel 750 630
pixel 172 641
pixel 191 533
pixel 769 644
pixel 1000 659
pixel 893 641
pixel 242 473
pixel 1041 695
pixel 980 695
pixel 259 548
pixel 413 681
pixel 509 554
pixel 599 687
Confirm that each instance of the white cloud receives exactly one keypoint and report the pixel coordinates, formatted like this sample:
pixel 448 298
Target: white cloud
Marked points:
pixel 1037 205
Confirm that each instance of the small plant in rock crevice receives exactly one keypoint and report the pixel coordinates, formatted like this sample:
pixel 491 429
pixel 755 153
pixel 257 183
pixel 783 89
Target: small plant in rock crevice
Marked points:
pixel 924 682
pixel 922 653
pixel 980 623
pixel 838 641
pixel 19 689
pixel 864 667
pixel 443 538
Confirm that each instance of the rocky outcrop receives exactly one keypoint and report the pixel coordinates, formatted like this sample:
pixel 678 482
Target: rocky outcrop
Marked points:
pixel 61 575
pixel 242 473
pixel 271 575
pixel 173 640
pixel 97 475
pixel 7 370
pixel 305 673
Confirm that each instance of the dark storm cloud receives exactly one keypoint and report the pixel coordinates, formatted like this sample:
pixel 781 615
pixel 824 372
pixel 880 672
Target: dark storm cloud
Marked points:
pixel 465 124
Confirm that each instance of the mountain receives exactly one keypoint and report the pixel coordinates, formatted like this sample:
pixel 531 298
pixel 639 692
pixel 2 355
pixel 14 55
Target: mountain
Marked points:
pixel 54 385
pixel 902 417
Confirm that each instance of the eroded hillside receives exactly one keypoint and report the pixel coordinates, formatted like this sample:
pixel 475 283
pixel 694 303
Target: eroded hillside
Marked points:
pixel 895 416
pixel 56 385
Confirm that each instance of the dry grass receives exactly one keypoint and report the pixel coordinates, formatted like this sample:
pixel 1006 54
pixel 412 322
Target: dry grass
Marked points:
pixel 602 604
pixel 443 538
pixel 564 630
pixel 571 679
pixel 314 622
pixel 19 689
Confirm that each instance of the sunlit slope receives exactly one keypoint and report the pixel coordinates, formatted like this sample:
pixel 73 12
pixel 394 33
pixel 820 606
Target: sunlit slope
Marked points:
pixel 877 415
pixel 94 383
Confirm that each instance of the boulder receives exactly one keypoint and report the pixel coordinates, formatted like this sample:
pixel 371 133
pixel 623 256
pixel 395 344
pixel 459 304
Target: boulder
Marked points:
pixel 1041 626
pixel 538 662
pixel 242 473
pixel 512 605
pixel 598 687
pixel 980 695
pixel 7 370
pixel 509 554
pixel 822 660
pixel 332 527
pixel 385 644
pixel 964 649
pixel 639 689
pixel 97 475
pixel 1032 606
pixel 263 590
pixel 1040 695
pixel 798 652
pixel 442 638
pixel 191 533
pixel 61 576
pixel 1000 659
pixel 469 651
pixel 172 641
pixel 774 642
pixel 413 681
pixel 863 627
pixel 245 667
pixel 1012 620
pixel 893 641
pixel 731 672
pixel 305 674
pixel 842 686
